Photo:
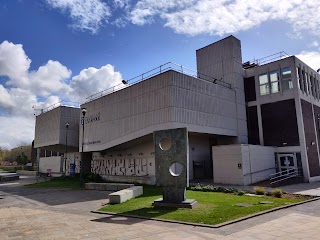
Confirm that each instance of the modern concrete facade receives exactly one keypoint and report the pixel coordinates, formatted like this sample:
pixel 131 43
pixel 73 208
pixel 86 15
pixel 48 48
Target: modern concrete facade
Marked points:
pixel 226 102
pixel 283 111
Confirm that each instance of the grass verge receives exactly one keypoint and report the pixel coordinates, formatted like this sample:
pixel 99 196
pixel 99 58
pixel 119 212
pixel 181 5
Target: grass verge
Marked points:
pixel 213 207
pixel 59 182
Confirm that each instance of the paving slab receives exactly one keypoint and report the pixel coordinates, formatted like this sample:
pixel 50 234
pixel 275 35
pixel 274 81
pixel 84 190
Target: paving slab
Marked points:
pixel 38 213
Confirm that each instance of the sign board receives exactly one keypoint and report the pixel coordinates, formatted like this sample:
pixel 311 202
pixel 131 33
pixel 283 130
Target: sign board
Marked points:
pixel 72 166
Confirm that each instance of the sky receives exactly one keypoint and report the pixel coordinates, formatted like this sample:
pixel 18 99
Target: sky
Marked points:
pixel 54 50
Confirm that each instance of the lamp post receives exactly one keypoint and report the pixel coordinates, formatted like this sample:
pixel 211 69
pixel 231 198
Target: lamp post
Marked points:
pixel 83 111
pixel 65 159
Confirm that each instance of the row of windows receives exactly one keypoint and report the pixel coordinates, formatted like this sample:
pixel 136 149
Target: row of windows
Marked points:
pixel 275 81
pixel 308 83
pixel 47 153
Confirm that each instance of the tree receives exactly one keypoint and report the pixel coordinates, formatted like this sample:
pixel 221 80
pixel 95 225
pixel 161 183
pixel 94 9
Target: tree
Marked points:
pixel 21 153
pixel 22 159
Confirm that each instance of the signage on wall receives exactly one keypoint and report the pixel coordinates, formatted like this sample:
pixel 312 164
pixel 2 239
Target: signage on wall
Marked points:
pixel 92 118
pixel 92 142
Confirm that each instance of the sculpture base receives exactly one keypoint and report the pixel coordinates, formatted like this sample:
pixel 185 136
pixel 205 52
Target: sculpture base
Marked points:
pixel 188 203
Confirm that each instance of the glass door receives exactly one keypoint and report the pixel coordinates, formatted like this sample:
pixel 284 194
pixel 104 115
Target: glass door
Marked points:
pixel 287 162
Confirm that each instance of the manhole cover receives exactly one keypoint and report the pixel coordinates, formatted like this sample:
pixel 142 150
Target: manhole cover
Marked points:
pixel 243 205
pixel 265 202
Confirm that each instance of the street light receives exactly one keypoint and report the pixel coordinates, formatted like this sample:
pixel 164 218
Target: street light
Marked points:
pixel 65 159
pixel 83 111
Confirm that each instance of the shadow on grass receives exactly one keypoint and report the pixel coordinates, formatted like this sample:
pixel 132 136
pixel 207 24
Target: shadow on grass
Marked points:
pixel 150 212
pixel 130 217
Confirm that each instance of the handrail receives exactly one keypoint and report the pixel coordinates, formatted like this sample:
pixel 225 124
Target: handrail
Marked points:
pixel 158 70
pixel 59 104
pixel 283 175
pixel 268 59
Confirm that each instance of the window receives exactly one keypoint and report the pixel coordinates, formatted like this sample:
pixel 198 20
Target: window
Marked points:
pixel 305 82
pixel 317 88
pixel 286 78
pixel 274 80
pixel 300 83
pixel 264 84
pixel 312 86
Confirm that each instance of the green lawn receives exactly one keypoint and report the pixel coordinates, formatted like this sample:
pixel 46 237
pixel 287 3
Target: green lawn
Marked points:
pixel 59 182
pixel 212 208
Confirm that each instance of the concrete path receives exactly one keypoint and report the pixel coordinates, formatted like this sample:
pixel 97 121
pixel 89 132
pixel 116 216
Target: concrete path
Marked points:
pixel 37 213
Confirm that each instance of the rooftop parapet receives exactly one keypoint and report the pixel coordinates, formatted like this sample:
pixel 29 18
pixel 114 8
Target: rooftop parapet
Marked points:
pixel 265 60
pixel 155 71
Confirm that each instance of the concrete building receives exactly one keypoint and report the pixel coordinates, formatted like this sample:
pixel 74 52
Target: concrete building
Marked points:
pixel 224 105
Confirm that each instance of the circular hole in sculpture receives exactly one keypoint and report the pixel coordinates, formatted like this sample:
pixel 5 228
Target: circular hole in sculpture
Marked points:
pixel 176 169
pixel 165 144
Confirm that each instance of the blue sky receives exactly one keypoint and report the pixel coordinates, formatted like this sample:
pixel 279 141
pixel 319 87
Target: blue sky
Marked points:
pixel 52 50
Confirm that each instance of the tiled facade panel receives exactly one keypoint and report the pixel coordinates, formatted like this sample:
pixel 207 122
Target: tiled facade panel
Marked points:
pixel 310 136
pixel 279 124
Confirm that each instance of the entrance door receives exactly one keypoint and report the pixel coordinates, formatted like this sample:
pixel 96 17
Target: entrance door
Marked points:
pixel 287 161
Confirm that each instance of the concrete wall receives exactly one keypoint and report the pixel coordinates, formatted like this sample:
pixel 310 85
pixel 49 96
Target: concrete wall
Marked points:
pixel 168 100
pixel 52 163
pixel 258 162
pixel 223 60
pixel 50 130
pixel 129 164
pixel 225 164
pixel 47 130
pixel 242 164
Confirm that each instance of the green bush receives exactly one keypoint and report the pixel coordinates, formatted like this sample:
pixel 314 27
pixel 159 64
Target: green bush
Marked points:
pixel 211 188
pixel 277 193
pixel 93 177
pixel 11 169
pixel 260 190
pixel 14 169
pixel 241 193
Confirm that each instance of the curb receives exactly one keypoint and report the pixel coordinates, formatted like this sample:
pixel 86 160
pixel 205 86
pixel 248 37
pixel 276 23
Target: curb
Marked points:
pixel 208 225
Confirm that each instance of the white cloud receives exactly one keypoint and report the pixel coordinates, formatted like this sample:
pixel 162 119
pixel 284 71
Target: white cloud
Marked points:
pixel 14 63
pixel 221 17
pixel 315 44
pixel 87 15
pixel 50 78
pixel 93 80
pixel 193 17
pixel 16 130
pixel 310 58
pixel 51 83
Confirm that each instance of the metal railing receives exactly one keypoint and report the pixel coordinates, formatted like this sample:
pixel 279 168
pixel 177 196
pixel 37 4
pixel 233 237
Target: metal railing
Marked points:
pixel 155 71
pixel 267 59
pixel 284 175
pixel 58 104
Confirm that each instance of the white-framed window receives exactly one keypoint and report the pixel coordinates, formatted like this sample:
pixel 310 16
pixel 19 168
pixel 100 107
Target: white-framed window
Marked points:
pixel 305 82
pixel 312 86
pixel 300 83
pixel 274 81
pixel 264 84
pixel 287 79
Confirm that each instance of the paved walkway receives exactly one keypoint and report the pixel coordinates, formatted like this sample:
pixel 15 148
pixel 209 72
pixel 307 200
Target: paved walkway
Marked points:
pixel 36 213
